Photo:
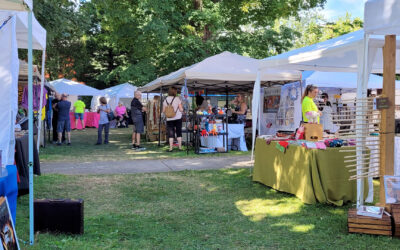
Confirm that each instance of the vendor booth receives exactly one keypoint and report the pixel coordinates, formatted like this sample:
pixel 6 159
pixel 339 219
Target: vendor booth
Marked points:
pixel 120 93
pixel 18 29
pixel 345 54
pixel 75 89
pixel 225 73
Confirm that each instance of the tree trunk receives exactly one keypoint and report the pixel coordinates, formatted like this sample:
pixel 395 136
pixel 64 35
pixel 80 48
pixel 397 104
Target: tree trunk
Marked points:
pixel 198 4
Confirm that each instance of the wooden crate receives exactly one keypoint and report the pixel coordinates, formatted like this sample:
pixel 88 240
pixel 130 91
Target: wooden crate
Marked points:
pixel 396 219
pixel 368 225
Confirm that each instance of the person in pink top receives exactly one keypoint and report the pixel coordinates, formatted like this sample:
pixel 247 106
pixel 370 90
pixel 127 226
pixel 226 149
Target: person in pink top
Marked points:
pixel 120 113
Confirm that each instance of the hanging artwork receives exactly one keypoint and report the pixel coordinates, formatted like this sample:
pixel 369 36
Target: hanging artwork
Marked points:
pixel 272 97
pixel 8 235
pixel 289 112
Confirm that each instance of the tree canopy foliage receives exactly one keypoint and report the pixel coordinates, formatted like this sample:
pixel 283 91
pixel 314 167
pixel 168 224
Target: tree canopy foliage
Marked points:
pixel 105 42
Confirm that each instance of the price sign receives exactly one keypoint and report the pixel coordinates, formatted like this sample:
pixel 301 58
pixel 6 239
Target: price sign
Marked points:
pixel 382 103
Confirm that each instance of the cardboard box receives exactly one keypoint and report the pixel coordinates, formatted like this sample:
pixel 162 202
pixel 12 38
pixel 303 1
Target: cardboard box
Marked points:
pixel 313 132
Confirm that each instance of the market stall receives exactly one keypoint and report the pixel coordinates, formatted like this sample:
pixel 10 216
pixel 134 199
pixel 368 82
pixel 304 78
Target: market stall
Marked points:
pixel 30 36
pixel 120 93
pixel 75 89
pixel 225 73
pixel 345 54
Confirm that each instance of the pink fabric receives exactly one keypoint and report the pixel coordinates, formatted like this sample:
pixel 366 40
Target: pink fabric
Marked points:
pixel 91 119
pixel 120 110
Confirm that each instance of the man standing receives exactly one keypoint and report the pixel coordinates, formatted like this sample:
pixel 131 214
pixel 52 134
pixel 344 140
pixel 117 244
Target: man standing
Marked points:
pixel 79 112
pixel 137 110
pixel 56 100
pixel 63 122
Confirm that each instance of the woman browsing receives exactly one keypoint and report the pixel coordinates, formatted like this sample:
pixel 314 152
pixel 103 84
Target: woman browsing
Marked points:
pixel 104 122
pixel 172 108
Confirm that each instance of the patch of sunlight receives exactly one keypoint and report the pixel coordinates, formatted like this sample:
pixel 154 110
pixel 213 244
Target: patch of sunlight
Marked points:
pixel 258 209
pixel 302 228
pixel 212 189
pixel 243 164
pixel 337 211
pixel 233 172
pixel 115 141
pixel 141 152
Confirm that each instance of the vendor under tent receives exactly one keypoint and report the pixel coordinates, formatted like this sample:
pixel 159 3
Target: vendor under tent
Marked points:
pixel 223 73
pixel 12 8
pixel 120 93
pixel 345 53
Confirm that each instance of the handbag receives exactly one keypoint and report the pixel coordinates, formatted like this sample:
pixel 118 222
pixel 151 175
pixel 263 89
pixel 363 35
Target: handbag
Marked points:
pixel 110 115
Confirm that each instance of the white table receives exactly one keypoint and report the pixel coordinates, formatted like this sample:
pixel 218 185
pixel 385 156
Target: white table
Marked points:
pixel 235 131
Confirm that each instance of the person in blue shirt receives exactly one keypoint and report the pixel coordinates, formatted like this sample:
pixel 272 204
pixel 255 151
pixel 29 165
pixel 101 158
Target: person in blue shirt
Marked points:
pixel 63 121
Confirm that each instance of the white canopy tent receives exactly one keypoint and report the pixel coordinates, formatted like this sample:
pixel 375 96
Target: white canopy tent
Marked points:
pixel 353 52
pixel 38 41
pixel 19 5
pixel 226 69
pixel 73 88
pixel 122 92
pixel 381 17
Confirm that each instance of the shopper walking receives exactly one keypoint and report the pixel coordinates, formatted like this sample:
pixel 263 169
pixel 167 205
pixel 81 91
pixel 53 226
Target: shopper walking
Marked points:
pixel 172 108
pixel 104 123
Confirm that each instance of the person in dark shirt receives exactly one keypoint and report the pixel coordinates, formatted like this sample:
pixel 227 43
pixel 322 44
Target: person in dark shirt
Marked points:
pixel 63 121
pixel 54 102
pixel 137 110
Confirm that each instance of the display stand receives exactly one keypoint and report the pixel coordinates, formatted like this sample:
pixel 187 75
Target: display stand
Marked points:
pixel 199 128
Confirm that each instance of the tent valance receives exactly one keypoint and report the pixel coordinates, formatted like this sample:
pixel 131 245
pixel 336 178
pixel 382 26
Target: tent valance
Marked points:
pixel 16 5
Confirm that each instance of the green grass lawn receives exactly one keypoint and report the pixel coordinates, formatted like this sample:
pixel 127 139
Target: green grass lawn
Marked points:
pixel 83 149
pixel 218 209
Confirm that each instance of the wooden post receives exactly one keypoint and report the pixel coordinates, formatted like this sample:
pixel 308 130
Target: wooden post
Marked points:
pixel 388 115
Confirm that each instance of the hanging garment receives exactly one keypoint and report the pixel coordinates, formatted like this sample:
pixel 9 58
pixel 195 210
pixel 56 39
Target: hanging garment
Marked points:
pixel 36 97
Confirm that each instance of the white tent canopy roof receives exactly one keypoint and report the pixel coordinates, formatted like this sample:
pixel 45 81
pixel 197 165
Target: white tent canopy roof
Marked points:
pixel 17 5
pixel 337 54
pixel 124 90
pixel 73 88
pixel 38 32
pixel 343 80
pixel 381 17
pixel 217 72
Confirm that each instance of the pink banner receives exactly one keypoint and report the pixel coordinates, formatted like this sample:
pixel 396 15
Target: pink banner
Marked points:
pixel 91 119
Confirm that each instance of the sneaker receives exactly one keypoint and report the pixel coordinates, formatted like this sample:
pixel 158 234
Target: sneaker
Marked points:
pixel 69 144
pixel 134 146
pixel 105 142
pixel 139 148
pixel 98 143
pixel 58 143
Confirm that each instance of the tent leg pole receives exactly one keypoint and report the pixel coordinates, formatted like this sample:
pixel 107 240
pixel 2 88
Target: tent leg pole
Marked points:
pixel 30 126
pixel 159 122
pixel 227 120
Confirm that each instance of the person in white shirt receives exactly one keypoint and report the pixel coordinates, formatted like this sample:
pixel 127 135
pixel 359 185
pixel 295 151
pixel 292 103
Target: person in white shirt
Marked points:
pixel 174 124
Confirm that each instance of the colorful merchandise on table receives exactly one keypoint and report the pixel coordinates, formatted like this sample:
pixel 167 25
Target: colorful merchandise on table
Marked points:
pixel 312 116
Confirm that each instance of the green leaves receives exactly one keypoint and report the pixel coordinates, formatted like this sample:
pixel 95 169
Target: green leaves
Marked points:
pixel 105 42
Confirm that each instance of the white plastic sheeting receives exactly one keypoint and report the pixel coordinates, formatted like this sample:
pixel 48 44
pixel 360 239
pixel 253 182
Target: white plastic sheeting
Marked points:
pixel 9 90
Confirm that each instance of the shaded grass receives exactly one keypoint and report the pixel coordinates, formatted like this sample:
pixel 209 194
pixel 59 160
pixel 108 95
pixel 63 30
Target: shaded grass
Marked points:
pixel 192 209
pixel 119 148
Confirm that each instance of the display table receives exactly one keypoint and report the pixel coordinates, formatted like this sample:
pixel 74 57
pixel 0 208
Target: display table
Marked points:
pixel 235 131
pixel 22 159
pixel 9 189
pixel 91 119
pixel 312 175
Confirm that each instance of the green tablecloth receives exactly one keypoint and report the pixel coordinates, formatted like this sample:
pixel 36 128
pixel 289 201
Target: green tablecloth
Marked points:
pixel 313 175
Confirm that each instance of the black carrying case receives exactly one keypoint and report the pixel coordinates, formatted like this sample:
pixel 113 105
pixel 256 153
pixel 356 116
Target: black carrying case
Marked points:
pixel 58 215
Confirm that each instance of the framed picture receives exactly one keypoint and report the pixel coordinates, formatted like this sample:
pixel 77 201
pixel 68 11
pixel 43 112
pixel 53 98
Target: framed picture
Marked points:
pixel 272 99
pixel 8 235
pixel 392 189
